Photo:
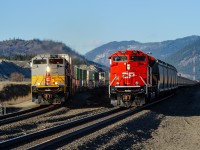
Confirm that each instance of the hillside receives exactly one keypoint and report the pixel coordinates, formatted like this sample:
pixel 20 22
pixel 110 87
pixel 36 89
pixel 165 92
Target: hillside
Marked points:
pixel 159 50
pixel 187 60
pixel 9 67
pixel 18 49
pixel 10 48
pixel 32 47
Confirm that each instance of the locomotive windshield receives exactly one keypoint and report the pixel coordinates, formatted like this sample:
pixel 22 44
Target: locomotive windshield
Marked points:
pixel 138 58
pixel 119 58
pixel 55 61
pixel 40 61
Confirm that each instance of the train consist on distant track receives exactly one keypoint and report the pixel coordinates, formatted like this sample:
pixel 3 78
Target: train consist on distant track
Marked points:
pixel 55 78
pixel 137 78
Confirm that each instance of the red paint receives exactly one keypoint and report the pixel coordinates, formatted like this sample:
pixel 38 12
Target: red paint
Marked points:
pixel 129 70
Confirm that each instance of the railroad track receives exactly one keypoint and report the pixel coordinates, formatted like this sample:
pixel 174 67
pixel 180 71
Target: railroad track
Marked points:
pixel 65 133
pixel 10 118
pixel 18 113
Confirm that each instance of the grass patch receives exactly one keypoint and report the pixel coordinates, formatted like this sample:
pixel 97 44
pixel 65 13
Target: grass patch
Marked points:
pixel 15 93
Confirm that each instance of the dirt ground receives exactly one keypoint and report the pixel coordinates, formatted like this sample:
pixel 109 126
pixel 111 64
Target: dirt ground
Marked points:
pixel 173 124
pixel 180 126
pixel 87 99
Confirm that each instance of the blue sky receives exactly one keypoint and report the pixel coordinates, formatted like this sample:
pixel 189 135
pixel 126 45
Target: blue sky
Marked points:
pixel 87 24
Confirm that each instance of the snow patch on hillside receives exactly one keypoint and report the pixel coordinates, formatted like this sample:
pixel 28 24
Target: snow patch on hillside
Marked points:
pixel 187 61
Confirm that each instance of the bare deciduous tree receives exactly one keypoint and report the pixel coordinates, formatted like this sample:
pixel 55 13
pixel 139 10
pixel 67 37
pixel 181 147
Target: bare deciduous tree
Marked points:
pixel 16 77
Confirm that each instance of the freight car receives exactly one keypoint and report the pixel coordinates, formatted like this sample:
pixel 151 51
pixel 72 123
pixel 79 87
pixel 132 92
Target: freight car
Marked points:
pixel 51 78
pixel 182 81
pixel 137 78
pixel 89 77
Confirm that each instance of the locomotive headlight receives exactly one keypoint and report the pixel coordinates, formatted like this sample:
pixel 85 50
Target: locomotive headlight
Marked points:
pixel 48 69
pixel 117 83
pixel 128 67
pixel 38 83
pixel 56 83
pixel 136 83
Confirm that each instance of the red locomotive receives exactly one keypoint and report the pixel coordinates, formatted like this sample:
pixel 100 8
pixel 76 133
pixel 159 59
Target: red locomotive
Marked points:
pixel 136 78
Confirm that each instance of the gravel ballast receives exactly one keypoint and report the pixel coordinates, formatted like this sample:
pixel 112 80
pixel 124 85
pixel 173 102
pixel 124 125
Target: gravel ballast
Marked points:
pixel 73 109
pixel 171 124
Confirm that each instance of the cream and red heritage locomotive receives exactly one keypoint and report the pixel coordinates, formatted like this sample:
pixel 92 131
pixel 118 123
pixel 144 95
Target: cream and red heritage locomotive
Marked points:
pixel 54 78
pixel 136 78
pixel 51 78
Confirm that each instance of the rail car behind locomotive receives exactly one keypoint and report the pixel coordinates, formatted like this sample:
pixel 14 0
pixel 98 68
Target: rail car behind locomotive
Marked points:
pixel 182 82
pixel 51 79
pixel 136 78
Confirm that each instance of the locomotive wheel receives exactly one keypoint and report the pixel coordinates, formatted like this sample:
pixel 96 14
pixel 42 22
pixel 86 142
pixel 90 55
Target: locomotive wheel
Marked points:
pixel 147 98
pixel 114 102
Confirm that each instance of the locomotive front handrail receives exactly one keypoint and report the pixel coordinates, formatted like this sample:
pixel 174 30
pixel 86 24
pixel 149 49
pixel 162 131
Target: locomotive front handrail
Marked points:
pixel 113 81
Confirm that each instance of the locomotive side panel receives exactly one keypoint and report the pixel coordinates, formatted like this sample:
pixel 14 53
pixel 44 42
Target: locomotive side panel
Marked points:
pixel 169 75
pixel 170 78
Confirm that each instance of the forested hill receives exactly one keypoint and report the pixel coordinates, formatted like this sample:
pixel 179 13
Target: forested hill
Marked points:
pixel 10 48
pixel 15 55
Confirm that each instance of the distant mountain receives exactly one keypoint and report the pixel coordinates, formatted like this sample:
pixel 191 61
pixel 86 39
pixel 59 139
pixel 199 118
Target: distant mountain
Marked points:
pixel 160 50
pixel 187 60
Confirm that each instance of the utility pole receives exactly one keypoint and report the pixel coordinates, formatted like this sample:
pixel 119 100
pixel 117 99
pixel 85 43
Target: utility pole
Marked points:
pixel 194 64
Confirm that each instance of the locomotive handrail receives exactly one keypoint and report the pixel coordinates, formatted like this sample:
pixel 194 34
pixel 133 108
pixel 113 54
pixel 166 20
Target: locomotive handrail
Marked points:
pixel 113 81
pixel 143 80
pixel 59 77
pixel 37 80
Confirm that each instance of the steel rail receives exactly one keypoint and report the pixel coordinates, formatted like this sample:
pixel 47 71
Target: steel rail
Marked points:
pixel 9 115
pixel 27 114
pixel 11 142
pixel 67 138
pixel 118 115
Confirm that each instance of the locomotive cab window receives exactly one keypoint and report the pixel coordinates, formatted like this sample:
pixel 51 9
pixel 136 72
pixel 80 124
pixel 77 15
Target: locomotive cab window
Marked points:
pixel 55 61
pixel 138 58
pixel 39 61
pixel 119 58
